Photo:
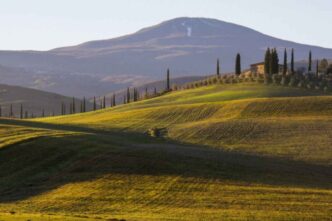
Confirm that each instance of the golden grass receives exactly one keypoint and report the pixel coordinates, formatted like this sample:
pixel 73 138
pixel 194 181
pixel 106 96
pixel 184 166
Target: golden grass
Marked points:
pixel 102 166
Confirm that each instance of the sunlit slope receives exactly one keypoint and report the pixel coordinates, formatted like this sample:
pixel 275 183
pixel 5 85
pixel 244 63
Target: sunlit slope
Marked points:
pixel 101 165
pixel 129 176
pixel 273 120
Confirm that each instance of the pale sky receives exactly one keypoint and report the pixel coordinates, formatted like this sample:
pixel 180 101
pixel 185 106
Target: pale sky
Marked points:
pixel 46 24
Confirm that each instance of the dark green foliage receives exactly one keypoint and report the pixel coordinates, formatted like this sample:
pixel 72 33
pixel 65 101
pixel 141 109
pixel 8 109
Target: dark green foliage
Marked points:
pixel 73 106
pixel 329 69
pixel 284 70
pixel 238 64
pixel 267 61
pixel 128 96
pixel 11 113
pixel 274 62
pixel 168 85
pixel 21 112
pixel 218 68
pixel 104 102
pixel 309 62
pixel 113 102
pixel 0 111
pixel 292 62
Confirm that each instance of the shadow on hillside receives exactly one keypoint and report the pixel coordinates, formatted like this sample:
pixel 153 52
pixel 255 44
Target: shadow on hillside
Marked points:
pixel 37 166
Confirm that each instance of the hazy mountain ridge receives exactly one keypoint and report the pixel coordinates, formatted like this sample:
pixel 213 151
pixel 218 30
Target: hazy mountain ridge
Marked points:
pixel 188 46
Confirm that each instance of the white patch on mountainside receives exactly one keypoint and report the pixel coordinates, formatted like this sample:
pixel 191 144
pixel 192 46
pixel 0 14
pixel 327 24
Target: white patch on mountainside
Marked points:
pixel 188 46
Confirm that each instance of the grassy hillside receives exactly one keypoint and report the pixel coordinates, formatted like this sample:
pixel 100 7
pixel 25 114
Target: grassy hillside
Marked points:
pixel 231 152
pixel 33 101
pixel 273 120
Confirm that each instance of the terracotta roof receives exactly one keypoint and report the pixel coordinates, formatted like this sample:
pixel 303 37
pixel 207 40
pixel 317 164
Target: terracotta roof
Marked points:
pixel 257 63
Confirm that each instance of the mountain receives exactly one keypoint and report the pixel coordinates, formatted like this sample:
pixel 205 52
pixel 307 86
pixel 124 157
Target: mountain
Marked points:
pixel 33 101
pixel 188 46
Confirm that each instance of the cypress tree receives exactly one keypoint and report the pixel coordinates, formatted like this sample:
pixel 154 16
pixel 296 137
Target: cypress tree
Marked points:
pixel 275 61
pixel 94 104
pixel 0 111
pixel 218 68
pixel 146 93
pixel 124 99
pixel 128 95
pixel 21 112
pixel 11 114
pixel 104 102
pixel 155 91
pixel 284 70
pixel 238 64
pixel 292 62
pixel 84 105
pixel 267 61
pixel 168 81
pixel 309 62
pixel 74 109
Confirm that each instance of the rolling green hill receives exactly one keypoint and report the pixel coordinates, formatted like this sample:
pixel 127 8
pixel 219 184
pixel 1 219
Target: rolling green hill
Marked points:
pixel 228 152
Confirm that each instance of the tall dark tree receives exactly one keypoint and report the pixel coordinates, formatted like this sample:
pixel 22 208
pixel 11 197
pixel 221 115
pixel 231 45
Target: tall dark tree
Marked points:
pixel 267 61
pixel 292 62
pixel 285 66
pixel 21 111
pixel 11 113
pixel 128 95
pixel 94 104
pixel 218 68
pixel 104 102
pixel 274 62
pixel 155 91
pixel 0 111
pixel 113 103
pixel 84 105
pixel 74 108
pixel 146 93
pixel 168 85
pixel 124 99
pixel 134 95
pixel 309 61
pixel 238 64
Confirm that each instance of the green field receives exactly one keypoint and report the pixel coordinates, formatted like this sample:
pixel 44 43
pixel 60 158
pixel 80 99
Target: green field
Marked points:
pixel 230 152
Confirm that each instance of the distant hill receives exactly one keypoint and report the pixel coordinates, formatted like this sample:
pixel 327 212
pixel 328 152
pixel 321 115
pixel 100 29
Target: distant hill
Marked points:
pixel 158 85
pixel 188 46
pixel 33 101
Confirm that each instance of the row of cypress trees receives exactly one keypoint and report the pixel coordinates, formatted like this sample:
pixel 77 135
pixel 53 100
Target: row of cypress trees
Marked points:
pixel 238 69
